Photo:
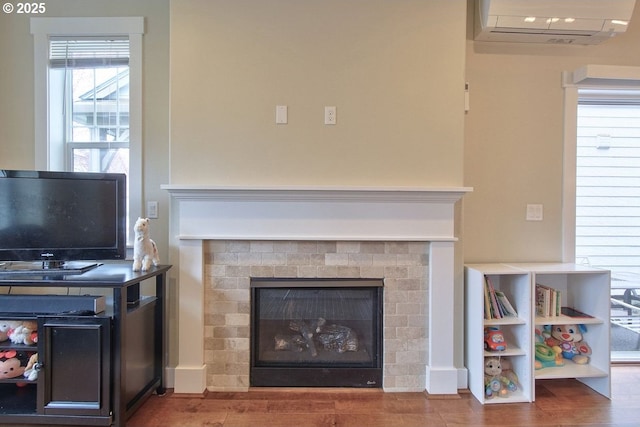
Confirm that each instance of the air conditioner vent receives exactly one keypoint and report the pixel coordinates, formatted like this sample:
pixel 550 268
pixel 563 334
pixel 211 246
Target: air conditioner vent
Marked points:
pixel 561 41
pixel 584 22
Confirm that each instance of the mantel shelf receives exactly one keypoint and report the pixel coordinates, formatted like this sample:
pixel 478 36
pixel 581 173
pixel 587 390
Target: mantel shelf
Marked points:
pixel 317 193
pixel 315 212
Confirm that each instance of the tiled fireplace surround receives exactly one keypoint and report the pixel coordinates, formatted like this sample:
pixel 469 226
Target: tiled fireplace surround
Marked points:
pixel 224 236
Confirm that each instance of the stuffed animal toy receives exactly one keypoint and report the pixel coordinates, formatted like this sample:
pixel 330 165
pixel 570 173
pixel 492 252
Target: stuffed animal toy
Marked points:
pixel 496 381
pixel 569 339
pixel 145 251
pixel 32 368
pixel 23 332
pixel 13 363
pixel 5 325
pixel 546 356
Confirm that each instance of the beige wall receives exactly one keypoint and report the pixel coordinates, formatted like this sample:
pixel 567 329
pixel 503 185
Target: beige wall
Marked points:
pixel 16 87
pixel 513 150
pixel 394 69
pixel 17 97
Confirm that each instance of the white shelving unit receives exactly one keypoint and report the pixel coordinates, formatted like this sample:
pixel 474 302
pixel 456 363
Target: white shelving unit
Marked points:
pixel 588 290
pixel 516 284
pixel 583 288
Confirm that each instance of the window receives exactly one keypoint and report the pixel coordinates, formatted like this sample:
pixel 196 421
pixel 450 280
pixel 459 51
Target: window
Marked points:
pixel 89 83
pixel 608 180
pixel 88 97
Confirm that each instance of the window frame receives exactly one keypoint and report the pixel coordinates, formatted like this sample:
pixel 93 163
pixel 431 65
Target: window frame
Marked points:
pixel 588 76
pixel 50 155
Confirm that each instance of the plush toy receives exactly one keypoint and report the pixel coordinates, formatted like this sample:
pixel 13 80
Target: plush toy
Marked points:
pixel 5 325
pixel 13 363
pixel 145 251
pixel 569 339
pixel 496 381
pixel 546 356
pixel 23 332
pixel 32 368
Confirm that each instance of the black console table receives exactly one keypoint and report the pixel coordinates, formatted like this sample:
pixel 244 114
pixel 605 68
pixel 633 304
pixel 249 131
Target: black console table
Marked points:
pixel 97 368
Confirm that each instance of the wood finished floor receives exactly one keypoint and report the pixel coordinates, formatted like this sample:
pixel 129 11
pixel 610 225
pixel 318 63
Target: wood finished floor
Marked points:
pixel 566 403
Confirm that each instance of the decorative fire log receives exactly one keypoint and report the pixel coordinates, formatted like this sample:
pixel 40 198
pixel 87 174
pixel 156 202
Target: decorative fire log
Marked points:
pixel 306 331
pixel 338 338
pixel 332 337
pixel 290 343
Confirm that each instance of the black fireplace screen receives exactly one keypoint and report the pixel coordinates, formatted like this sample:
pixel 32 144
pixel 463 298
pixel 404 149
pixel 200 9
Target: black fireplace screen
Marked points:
pixel 316 333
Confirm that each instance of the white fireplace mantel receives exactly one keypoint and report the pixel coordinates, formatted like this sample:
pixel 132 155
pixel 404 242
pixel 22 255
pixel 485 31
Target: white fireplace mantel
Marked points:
pixel 200 213
pixel 323 213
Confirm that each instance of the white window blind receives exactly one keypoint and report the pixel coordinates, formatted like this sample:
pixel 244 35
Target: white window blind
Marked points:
pixel 88 52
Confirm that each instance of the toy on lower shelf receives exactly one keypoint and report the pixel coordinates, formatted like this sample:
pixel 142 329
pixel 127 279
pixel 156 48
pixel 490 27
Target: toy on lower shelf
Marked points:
pixel 569 339
pixel 32 368
pixel 498 381
pixel 546 356
pixel 13 363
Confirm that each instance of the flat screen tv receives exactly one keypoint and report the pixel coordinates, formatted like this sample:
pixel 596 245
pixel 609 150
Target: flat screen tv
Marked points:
pixel 59 219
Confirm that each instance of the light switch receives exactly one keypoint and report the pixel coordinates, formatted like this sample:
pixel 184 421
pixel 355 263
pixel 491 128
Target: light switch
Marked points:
pixel 281 114
pixel 534 213
pixel 152 209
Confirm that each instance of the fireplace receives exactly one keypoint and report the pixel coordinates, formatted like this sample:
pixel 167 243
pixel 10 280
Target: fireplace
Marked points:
pixel 316 333
pixel 357 232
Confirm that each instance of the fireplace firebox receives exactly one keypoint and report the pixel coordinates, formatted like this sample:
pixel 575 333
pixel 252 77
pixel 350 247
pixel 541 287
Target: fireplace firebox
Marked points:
pixel 316 333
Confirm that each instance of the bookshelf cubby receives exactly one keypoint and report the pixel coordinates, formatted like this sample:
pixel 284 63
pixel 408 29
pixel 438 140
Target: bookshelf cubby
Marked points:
pixel 583 288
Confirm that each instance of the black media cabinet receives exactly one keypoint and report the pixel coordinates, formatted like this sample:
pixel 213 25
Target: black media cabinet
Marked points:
pixel 97 369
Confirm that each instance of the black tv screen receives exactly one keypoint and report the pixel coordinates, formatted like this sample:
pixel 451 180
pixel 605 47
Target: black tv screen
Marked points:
pixel 62 216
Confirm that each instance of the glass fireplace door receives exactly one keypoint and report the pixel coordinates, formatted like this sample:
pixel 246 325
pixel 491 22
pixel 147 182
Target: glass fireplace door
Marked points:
pixel 316 333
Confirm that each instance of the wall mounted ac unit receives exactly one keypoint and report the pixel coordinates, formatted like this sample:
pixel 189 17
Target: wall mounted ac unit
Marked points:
pixel 583 22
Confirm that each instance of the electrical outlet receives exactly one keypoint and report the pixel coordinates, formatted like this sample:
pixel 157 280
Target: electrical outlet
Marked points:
pixel 330 115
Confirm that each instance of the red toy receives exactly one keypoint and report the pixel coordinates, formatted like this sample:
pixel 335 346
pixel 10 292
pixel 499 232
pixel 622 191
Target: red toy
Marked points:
pixel 493 339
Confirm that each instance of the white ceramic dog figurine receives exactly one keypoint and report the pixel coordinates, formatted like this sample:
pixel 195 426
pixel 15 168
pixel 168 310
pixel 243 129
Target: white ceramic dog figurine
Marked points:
pixel 145 251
